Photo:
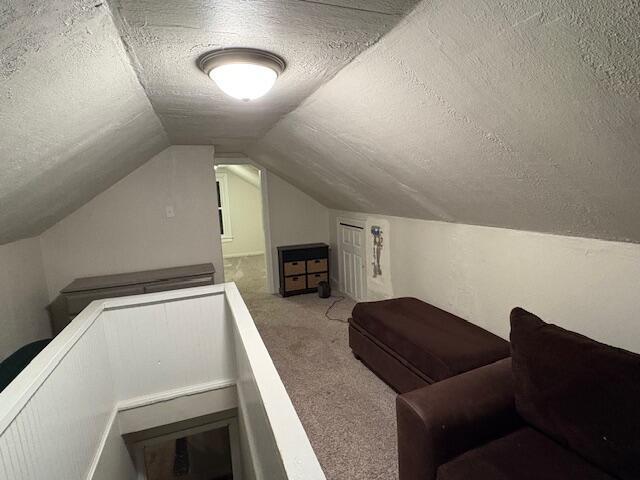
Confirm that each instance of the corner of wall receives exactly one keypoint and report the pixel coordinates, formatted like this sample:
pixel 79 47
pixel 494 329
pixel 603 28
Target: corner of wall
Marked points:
pixel 23 295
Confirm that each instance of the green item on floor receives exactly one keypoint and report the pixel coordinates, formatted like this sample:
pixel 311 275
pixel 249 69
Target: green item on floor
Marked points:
pixel 11 366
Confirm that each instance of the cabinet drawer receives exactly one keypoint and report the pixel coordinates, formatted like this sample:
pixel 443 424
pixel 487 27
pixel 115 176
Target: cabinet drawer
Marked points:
pixel 314 279
pixel 317 265
pixel 291 284
pixel 294 268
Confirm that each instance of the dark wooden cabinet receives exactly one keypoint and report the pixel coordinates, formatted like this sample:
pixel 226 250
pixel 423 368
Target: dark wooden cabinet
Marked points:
pixel 82 291
pixel 302 268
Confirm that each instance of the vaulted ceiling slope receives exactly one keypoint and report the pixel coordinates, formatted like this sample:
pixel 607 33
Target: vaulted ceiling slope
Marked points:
pixel 74 115
pixel 315 37
pixel 522 114
pixel 74 118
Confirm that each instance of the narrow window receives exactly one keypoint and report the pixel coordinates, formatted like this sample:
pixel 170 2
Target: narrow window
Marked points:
pixel 223 207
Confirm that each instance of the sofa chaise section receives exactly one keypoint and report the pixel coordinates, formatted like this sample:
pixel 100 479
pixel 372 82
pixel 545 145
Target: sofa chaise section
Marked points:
pixel 409 343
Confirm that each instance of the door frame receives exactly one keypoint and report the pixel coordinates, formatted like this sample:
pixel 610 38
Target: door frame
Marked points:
pixel 358 223
pixel 230 159
pixel 231 423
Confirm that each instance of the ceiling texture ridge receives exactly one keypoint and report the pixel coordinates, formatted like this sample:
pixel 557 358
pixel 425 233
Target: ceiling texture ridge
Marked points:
pixel 136 65
pixel 368 10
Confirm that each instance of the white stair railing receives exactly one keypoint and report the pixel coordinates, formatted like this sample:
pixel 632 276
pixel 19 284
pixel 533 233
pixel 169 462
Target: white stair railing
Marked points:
pixel 58 418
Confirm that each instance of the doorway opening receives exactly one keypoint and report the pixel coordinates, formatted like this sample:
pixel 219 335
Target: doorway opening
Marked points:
pixel 243 219
pixel 204 448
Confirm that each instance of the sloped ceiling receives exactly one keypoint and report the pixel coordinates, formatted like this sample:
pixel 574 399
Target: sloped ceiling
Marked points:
pixel 522 114
pixel 315 37
pixel 73 116
pixel 89 90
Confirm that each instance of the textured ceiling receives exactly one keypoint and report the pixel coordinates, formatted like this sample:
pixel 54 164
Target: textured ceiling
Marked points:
pixel 520 114
pixel 73 116
pixel 315 37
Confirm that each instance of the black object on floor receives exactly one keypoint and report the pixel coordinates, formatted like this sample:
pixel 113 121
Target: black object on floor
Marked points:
pixel 324 290
pixel 181 461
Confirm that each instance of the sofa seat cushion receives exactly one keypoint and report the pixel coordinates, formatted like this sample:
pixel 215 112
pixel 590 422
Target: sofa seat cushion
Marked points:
pixel 435 342
pixel 522 455
pixel 582 393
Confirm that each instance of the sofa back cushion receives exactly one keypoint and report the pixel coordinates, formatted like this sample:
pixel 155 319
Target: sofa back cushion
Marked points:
pixel 582 393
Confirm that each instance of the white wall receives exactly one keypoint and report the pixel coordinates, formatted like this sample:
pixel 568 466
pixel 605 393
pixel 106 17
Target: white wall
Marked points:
pixel 480 273
pixel 294 218
pixel 126 228
pixel 23 296
pixel 245 207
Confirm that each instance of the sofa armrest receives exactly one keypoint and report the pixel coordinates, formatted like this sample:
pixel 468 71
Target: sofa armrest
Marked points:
pixel 441 421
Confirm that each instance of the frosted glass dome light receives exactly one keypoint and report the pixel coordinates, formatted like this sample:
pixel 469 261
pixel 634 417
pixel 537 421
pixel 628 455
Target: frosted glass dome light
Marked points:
pixel 245 74
pixel 244 81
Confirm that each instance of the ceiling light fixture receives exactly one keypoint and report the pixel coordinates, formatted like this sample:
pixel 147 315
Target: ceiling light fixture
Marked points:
pixel 242 73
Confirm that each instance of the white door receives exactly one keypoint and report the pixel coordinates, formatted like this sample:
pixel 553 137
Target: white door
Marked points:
pixel 351 257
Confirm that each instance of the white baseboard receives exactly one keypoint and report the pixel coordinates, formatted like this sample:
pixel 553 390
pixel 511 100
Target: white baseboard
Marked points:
pixel 247 254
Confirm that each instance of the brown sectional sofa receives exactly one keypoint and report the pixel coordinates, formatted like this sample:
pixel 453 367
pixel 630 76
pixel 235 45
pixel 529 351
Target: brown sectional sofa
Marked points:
pixel 409 343
pixel 563 407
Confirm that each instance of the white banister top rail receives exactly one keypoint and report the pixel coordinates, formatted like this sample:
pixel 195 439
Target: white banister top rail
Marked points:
pixel 298 457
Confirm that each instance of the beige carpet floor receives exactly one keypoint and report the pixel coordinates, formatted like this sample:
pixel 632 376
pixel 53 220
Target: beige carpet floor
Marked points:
pixel 348 413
